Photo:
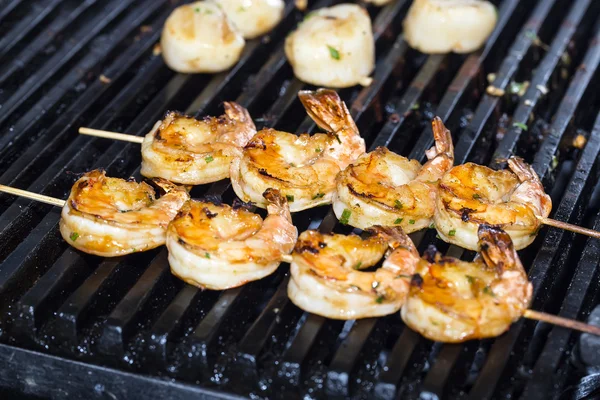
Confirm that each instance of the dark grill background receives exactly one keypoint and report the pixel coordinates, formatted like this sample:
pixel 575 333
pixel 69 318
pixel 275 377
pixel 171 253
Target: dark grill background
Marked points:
pixel 73 325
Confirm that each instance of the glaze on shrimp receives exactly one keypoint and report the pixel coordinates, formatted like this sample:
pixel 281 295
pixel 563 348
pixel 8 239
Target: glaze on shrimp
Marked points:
pixel 302 167
pixel 112 217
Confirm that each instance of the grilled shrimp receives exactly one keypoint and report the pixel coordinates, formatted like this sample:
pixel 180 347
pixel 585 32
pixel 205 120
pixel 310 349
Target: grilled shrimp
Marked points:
pixel 253 17
pixel 333 47
pixel 472 194
pixel 111 217
pixel 215 246
pixel 327 277
pixel 304 167
pixel 383 188
pixel 188 151
pixel 442 26
pixel 198 37
pixel 452 301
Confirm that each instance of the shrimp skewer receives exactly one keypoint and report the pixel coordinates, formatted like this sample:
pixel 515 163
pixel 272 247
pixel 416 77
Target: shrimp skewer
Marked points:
pixel 384 188
pixel 188 151
pixel 303 168
pixel 215 246
pixel 111 217
pixel 471 194
pixel 327 277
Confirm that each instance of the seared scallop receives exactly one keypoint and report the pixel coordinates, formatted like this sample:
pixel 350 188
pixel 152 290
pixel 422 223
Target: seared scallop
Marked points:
pixel 253 18
pixel 333 47
pixel 442 26
pixel 198 37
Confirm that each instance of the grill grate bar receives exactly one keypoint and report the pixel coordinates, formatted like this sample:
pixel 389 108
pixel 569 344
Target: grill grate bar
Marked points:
pixel 579 84
pixel 532 96
pixel 23 27
pixel 43 39
pixel 80 38
pixel 7 9
pixel 119 323
pixel 547 363
pixel 464 78
pixel 525 40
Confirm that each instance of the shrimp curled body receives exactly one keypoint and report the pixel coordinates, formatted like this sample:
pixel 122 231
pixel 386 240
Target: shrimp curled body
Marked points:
pixel 219 247
pixel 111 217
pixel 188 151
pixel 326 277
pixel 471 194
pixel 304 167
pixel 383 188
pixel 452 300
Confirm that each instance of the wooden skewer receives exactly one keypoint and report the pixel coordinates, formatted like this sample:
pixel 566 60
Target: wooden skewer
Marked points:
pixel 560 321
pixel 33 196
pixel 569 227
pixel 110 135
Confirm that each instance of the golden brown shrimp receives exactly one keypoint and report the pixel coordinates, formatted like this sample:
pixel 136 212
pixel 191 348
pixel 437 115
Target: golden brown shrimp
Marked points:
pixel 383 188
pixel 303 168
pixel 219 247
pixel 472 194
pixel 188 151
pixel 326 277
pixel 111 217
pixel 453 301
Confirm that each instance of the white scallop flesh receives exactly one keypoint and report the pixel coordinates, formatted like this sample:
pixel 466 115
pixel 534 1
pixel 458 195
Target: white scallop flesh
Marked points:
pixel 198 37
pixel 333 47
pixel 253 18
pixel 443 26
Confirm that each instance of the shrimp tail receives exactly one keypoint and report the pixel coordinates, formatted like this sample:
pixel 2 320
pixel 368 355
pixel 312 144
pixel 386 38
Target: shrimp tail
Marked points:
pixel 167 186
pixel 443 140
pixel 524 171
pixel 396 237
pixel 278 204
pixel 327 109
pixel 497 249
pixel 238 113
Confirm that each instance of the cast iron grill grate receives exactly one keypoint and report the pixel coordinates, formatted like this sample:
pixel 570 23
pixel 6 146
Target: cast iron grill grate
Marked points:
pixel 74 325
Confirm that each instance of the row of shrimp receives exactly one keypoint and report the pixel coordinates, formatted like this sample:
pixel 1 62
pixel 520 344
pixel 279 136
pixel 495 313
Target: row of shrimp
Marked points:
pixel 216 246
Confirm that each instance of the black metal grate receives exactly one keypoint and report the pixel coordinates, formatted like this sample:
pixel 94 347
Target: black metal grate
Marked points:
pixel 74 325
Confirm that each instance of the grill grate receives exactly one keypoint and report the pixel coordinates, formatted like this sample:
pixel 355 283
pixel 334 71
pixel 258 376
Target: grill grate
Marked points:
pixel 126 324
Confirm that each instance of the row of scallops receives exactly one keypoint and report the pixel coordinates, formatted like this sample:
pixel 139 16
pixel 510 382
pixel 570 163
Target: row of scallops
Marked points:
pixel 332 46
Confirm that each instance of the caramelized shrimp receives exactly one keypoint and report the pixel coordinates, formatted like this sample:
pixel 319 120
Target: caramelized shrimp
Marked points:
pixel 472 194
pixel 215 246
pixel 111 217
pixel 453 301
pixel 188 151
pixel 384 188
pixel 327 277
pixel 303 168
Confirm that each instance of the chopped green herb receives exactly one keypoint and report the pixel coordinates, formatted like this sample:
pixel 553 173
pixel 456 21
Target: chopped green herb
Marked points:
pixel 411 221
pixel 398 221
pixel 289 198
pixel 435 323
pixel 208 12
pixel 452 232
pixel 470 279
pixel 206 255
pixel 242 9
pixel 554 163
pixel 292 164
pixel 414 107
pixel 520 125
pixel 310 15
pixel 488 290
pixel 345 216
pixel 318 196
pixel 403 276
pixel 318 150
pixel 432 226
pixel 476 196
pixel 74 236
pixel 531 35
pixel 358 264
pixel 338 138
pixel 134 249
pixel 197 9
pixel 379 300
pixel 208 159
pixel 333 53
pixel 398 204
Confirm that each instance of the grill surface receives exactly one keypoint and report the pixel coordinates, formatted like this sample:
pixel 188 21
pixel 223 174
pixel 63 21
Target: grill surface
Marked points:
pixel 74 325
